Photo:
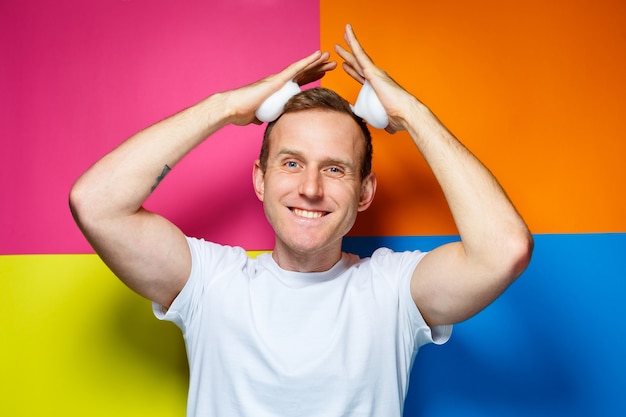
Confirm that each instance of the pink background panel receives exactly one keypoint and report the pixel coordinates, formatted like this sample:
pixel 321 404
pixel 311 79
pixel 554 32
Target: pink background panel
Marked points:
pixel 77 78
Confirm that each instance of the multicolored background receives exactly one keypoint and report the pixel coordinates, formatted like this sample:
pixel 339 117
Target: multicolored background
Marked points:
pixel 537 89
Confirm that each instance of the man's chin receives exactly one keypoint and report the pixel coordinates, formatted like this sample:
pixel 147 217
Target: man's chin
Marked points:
pixel 305 248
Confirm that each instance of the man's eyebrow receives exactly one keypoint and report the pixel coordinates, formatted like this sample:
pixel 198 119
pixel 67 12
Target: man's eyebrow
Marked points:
pixel 290 152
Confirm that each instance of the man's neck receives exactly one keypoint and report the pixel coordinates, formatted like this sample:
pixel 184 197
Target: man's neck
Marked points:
pixel 315 261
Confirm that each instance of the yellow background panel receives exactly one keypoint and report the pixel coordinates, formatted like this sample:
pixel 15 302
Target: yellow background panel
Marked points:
pixel 74 341
pixel 537 90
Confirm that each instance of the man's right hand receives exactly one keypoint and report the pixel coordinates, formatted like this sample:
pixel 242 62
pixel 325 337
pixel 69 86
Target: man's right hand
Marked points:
pixel 244 101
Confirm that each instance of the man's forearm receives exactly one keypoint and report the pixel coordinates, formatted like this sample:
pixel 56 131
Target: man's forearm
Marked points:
pixel 483 214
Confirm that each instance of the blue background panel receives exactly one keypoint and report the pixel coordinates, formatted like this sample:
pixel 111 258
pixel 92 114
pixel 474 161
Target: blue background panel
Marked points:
pixel 552 345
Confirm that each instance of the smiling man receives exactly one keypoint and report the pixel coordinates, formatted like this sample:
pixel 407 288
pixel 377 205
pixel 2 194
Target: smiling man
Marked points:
pixel 307 330
pixel 313 176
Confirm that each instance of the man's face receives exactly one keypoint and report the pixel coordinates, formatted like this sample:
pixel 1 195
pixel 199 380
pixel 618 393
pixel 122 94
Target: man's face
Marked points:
pixel 311 189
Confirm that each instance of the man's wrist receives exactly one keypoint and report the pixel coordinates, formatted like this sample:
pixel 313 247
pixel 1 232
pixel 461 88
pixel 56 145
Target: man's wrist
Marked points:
pixel 216 111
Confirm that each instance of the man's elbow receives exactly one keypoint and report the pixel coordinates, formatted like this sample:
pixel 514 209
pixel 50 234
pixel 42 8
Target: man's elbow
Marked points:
pixel 81 205
pixel 75 200
pixel 519 252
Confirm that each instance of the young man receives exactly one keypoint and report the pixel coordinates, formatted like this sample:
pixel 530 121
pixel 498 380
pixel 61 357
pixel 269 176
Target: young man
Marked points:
pixel 306 330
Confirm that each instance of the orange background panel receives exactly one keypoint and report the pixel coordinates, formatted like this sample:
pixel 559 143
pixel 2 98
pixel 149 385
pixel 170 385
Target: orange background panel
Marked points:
pixel 535 89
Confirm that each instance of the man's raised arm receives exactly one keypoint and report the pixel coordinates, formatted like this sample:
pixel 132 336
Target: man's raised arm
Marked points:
pixel 455 281
pixel 146 251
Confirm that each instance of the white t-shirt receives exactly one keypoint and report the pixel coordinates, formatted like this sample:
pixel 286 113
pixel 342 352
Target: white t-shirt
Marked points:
pixel 262 341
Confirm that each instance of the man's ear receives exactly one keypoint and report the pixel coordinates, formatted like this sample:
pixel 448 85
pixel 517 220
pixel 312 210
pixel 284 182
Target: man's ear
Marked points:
pixel 368 190
pixel 258 180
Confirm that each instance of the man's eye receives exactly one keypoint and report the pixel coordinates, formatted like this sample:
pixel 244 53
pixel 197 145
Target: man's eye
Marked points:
pixel 291 164
pixel 334 170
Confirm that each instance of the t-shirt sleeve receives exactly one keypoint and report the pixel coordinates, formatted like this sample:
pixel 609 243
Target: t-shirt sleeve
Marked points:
pixel 399 267
pixel 424 334
pixel 208 261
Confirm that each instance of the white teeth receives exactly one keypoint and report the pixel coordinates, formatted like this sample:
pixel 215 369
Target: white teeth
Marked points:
pixel 308 214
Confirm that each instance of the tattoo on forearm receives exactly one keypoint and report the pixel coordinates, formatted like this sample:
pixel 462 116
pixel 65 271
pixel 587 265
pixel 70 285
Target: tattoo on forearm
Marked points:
pixel 166 169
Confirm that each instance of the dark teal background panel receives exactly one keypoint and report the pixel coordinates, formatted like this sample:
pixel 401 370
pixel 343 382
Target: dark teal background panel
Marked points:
pixel 552 345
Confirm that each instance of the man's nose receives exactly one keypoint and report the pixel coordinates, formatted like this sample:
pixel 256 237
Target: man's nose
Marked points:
pixel 311 183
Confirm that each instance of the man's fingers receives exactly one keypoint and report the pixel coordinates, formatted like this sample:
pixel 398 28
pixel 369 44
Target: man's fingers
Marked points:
pixel 297 67
pixel 347 56
pixel 349 69
pixel 350 65
pixel 309 69
pixel 359 53
pixel 313 74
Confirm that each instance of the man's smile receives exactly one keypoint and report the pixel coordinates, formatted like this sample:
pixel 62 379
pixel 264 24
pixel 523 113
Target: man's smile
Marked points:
pixel 309 214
